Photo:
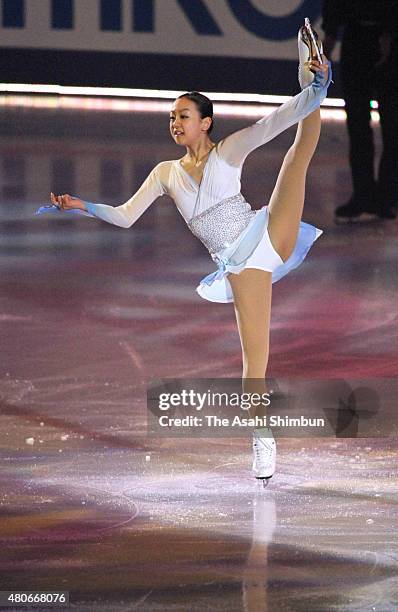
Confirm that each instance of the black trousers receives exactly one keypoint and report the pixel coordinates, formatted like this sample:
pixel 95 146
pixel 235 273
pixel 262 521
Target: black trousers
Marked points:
pixel 362 81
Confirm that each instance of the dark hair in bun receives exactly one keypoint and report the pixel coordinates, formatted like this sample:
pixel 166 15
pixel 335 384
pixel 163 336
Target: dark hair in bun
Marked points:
pixel 204 105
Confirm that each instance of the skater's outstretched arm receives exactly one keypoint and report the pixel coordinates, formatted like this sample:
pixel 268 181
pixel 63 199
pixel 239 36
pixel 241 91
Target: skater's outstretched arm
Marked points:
pixel 235 148
pixel 124 215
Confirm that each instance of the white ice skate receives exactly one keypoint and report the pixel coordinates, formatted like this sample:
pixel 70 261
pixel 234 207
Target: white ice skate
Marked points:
pixel 264 453
pixel 310 48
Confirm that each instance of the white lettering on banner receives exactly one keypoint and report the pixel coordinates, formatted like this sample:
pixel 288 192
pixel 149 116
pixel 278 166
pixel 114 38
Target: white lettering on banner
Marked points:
pixel 243 28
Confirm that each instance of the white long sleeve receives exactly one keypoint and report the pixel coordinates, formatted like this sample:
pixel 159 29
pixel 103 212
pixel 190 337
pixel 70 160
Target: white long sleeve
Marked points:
pixel 235 148
pixel 126 214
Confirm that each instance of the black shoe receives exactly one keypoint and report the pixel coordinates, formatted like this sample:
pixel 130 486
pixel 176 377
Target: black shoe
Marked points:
pixel 352 212
pixel 387 213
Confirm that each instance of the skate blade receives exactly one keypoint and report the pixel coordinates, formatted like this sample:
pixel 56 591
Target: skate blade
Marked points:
pixel 314 50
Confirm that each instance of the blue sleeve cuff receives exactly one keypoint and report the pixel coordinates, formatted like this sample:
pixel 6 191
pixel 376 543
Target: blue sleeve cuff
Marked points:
pixel 90 208
pixel 72 211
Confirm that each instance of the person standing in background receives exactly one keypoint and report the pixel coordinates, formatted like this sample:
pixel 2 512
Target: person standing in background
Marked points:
pixel 369 69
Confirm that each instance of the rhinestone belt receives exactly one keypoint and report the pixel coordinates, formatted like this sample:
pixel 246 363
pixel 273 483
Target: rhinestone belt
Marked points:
pixel 221 224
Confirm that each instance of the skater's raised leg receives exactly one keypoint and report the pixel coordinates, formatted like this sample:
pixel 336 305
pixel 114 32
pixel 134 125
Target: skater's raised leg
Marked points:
pixel 287 200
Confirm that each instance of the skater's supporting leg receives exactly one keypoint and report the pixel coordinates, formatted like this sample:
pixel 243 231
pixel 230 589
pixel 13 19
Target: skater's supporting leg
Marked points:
pixel 252 291
pixel 287 200
pixel 252 300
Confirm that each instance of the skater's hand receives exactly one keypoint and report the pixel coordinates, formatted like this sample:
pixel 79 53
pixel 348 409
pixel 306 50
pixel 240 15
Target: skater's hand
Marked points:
pixel 66 202
pixel 316 67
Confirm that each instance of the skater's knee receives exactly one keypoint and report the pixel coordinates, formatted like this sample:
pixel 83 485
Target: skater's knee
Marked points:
pixel 297 160
pixel 255 362
pixel 294 156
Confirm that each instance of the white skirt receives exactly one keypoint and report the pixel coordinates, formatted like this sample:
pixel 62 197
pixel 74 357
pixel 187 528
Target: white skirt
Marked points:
pixel 261 255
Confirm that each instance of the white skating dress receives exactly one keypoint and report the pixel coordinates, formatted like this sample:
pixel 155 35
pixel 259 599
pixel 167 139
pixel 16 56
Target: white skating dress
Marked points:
pixel 215 210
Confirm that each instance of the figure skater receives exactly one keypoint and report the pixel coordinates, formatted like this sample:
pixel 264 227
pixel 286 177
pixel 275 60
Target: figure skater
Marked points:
pixel 252 249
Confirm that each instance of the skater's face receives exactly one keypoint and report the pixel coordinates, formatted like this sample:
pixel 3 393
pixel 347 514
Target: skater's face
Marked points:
pixel 186 124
